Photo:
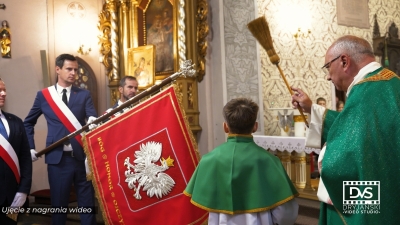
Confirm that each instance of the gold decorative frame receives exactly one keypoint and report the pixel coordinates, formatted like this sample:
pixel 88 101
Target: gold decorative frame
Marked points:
pixel 141 65
pixel 122 26
pixel 158 21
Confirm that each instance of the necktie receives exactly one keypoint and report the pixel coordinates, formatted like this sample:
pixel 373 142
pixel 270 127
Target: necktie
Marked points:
pixel 64 96
pixel 3 130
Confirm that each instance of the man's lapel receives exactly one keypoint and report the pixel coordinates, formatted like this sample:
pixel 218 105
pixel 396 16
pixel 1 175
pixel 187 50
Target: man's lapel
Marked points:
pixel 73 96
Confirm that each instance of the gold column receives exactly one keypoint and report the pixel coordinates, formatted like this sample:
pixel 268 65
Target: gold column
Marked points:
pixel 108 40
pixel 300 166
pixel 133 19
pixel 308 174
pixel 308 191
pixel 188 88
pixel 112 8
pixel 293 167
pixel 124 33
pixel 196 29
pixel 287 163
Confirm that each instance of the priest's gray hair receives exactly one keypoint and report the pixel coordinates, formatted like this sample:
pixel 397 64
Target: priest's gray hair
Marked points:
pixel 357 48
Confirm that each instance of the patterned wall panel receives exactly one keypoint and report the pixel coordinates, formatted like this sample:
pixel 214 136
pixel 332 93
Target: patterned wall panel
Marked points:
pixel 301 59
pixel 240 51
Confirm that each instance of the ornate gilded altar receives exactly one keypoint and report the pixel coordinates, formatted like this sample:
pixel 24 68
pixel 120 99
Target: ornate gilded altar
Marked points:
pixel 128 24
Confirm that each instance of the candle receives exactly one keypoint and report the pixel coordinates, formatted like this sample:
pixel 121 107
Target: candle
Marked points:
pixel 299 126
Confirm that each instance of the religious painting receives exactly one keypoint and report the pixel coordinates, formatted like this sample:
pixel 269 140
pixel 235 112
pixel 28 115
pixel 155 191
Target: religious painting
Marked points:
pixel 159 30
pixel 141 65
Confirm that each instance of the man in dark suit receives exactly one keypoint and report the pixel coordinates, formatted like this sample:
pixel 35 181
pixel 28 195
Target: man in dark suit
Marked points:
pixel 128 87
pixel 15 161
pixel 65 108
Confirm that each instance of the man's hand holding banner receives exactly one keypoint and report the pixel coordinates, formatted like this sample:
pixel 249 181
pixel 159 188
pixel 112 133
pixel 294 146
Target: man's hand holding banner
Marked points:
pixel 142 161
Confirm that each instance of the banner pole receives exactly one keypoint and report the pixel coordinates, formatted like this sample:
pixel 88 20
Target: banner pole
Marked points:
pixel 186 69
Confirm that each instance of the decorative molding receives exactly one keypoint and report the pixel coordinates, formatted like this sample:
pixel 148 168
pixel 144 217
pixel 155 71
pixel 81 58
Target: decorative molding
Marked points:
pixel 112 7
pixel 104 27
pixel 76 10
pixel 241 66
pixel 202 32
pixel 181 32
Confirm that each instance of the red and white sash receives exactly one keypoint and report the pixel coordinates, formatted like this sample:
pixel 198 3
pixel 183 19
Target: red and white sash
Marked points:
pixel 7 153
pixel 62 111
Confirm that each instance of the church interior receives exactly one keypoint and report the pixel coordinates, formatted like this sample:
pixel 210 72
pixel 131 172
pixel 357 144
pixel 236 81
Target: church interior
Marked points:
pixel 107 35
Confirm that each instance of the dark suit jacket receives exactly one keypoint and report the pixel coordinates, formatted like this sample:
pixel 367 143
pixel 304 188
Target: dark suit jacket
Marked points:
pixel 115 105
pixel 81 105
pixel 18 140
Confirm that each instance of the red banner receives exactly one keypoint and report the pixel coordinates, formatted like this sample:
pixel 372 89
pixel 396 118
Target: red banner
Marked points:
pixel 142 161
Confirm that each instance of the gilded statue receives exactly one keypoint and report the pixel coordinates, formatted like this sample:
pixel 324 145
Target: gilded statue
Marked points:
pixel 5 40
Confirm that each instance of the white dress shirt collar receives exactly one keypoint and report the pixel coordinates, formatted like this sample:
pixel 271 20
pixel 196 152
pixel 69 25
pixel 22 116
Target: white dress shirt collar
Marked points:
pixel 60 89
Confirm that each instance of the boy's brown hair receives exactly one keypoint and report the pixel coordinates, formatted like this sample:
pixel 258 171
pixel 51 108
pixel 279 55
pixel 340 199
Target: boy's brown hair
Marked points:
pixel 240 115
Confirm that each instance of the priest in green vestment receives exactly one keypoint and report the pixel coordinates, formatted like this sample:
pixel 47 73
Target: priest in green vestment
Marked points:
pixel 360 160
pixel 239 182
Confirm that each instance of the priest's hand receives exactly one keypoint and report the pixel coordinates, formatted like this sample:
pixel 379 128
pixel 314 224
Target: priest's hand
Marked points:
pixel 301 100
pixel 19 200
pixel 33 155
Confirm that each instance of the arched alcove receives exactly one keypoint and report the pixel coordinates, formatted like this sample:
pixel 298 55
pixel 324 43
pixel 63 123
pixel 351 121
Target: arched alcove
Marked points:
pixel 87 80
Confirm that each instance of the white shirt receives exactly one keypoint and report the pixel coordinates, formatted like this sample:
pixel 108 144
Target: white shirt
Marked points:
pixel 60 91
pixel 285 214
pixel 3 119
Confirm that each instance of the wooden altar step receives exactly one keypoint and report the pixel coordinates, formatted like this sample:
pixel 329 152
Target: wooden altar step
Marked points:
pixel 308 212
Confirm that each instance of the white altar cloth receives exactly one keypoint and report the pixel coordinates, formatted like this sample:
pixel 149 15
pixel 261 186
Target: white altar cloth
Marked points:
pixel 280 143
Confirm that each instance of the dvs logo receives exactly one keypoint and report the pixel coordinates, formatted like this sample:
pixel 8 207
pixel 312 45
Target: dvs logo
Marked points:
pixel 361 197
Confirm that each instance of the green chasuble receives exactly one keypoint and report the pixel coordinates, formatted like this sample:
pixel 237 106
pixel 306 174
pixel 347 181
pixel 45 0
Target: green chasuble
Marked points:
pixel 363 144
pixel 239 177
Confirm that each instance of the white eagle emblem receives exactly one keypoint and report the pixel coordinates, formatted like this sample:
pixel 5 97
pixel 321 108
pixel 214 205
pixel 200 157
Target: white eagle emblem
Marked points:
pixel 148 175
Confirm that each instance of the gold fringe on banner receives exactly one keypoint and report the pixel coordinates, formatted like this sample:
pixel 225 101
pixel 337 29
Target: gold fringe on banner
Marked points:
pixel 134 105
pixel 86 148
